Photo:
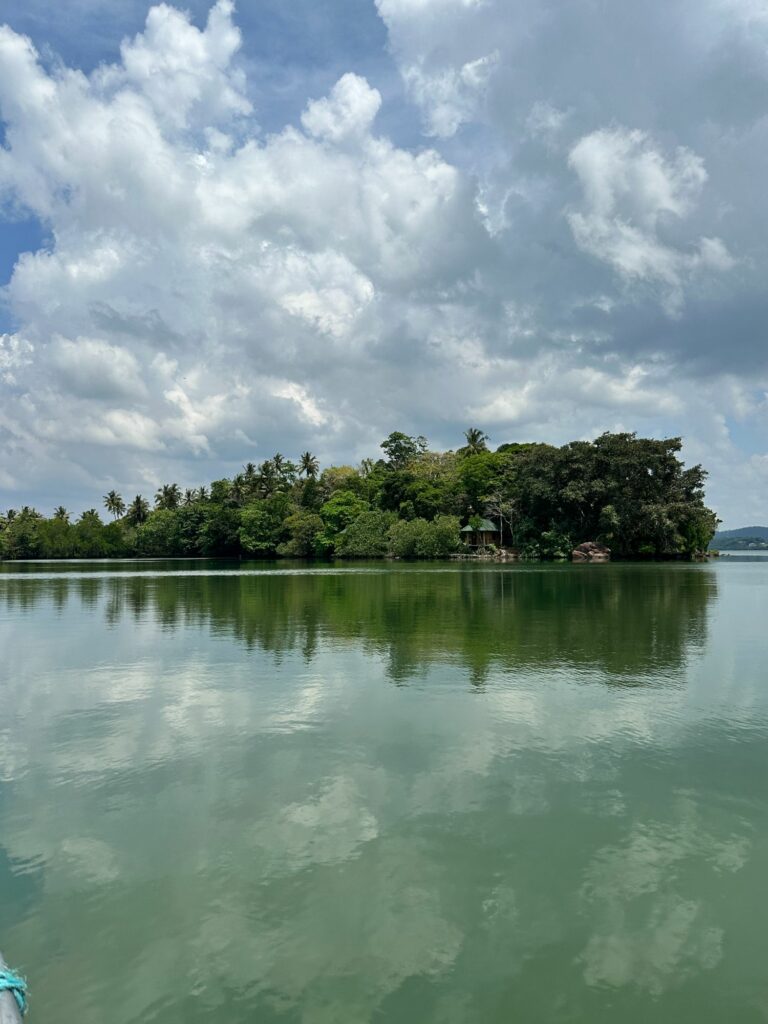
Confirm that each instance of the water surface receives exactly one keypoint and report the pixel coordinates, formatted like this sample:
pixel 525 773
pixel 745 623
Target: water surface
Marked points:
pixel 390 794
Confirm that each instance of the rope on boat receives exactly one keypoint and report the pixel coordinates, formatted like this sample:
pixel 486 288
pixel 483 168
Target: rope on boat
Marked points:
pixel 17 986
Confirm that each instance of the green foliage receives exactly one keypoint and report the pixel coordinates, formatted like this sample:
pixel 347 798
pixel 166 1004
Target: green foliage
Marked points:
pixel 477 441
pixel 159 535
pixel 632 494
pixel 337 514
pixel 479 475
pixel 400 448
pixel 555 544
pixel 419 539
pixel 340 478
pixel 304 529
pixel 366 536
pixel 263 524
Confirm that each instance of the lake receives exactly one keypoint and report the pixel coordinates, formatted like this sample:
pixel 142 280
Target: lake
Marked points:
pixel 465 794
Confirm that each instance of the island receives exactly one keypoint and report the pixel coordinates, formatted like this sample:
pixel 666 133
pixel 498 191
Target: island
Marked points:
pixel 627 495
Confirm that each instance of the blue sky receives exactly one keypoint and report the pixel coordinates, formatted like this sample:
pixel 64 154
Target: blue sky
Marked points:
pixel 228 230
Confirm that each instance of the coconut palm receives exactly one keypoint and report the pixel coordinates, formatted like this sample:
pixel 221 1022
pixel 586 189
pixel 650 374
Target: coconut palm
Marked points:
pixel 267 478
pixel 190 497
pixel 61 514
pixel 476 440
pixel 202 493
pixel 237 490
pixel 138 511
pixel 168 496
pixel 308 465
pixel 114 504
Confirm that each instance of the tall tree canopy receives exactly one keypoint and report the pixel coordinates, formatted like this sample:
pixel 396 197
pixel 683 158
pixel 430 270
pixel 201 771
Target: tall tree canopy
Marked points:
pixel 633 494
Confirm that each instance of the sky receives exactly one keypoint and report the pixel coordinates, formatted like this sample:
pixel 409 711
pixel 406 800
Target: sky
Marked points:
pixel 226 231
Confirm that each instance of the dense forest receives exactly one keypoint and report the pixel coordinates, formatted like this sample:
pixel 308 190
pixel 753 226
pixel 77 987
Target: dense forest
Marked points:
pixel 632 494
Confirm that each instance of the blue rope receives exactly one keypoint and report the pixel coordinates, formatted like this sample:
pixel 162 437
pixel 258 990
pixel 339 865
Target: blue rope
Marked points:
pixel 10 982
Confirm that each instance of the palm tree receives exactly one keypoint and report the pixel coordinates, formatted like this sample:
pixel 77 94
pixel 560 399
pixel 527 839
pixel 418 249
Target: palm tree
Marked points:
pixel 202 493
pixel 90 516
pixel 61 514
pixel 138 511
pixel 308 465
pixel 168 496
pixel 237 490
pixel 476 440
pixel 267 478
pixel 190 497
pixel 114 504
pixel 11 514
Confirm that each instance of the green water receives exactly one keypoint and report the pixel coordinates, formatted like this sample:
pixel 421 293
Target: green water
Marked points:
pixel 455 794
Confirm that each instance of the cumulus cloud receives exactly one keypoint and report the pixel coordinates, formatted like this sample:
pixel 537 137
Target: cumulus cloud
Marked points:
pixel 348 111
pixel 564 251
pixel 629 190
pixel 199 280
pixel 449 96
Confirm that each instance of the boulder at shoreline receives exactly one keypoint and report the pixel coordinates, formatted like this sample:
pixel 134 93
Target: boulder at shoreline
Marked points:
pixel 591 551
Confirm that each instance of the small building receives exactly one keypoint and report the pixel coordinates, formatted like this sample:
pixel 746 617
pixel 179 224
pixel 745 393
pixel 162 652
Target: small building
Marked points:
pixel 481 537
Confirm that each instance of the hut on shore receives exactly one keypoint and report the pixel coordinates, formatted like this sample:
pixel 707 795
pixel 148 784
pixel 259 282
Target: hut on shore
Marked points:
pixel 482 535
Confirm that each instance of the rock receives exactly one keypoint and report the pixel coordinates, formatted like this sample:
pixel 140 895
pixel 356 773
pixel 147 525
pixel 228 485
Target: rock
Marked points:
pixel 591 551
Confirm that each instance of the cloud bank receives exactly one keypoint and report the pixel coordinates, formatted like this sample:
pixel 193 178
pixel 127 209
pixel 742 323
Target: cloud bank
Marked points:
pixel 574 244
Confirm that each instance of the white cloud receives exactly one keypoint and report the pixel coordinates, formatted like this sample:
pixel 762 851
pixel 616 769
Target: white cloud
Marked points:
pixel 91 368
pixel 449 96
pixel 348 111
pixel 185 74
pixel 448 88
pixel 215 292
pixel 15 353
pixel 189 270
pixel 630 189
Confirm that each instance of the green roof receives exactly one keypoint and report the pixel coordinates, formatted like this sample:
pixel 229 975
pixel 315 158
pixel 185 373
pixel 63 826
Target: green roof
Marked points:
pixel 485 526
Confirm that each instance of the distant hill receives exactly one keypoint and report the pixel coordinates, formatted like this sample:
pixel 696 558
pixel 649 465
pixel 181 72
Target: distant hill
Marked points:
pixel 742 539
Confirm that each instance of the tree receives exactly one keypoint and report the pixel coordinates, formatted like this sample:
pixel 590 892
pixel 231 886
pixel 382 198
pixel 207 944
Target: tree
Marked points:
pixel 340 478
pixel 114 504
pixel 304 529
pixel 419 539
pixel 263 524
pixel 138 511
pixel 477 441
pixel 337 513
pixel 634 494
pixel 160 535
pixel 366 536
pixel 168 497
pixel 308 465
pixel 400 448
pixel 502 510
pixel 267 478
pixel 238 490
pixel 250 477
